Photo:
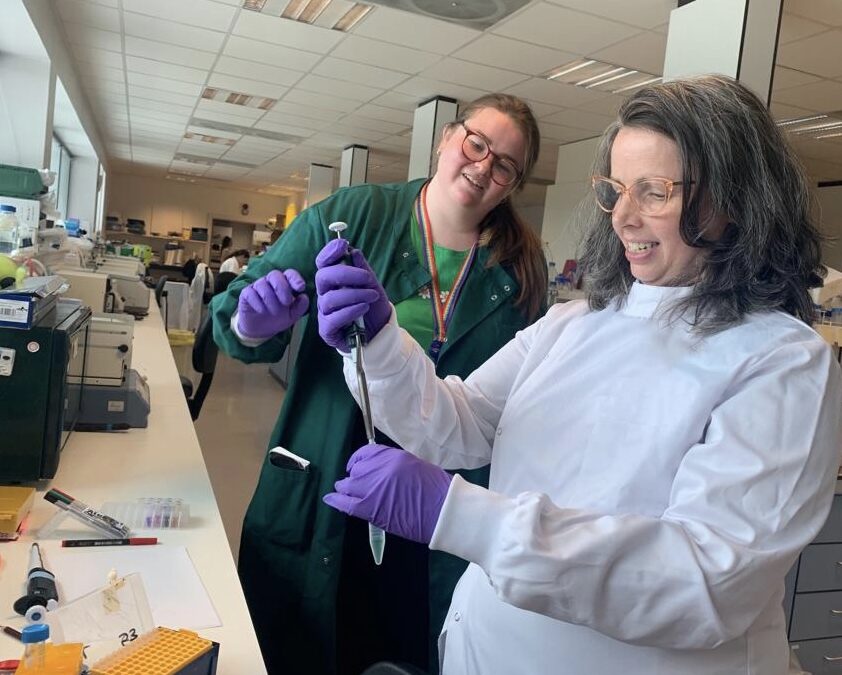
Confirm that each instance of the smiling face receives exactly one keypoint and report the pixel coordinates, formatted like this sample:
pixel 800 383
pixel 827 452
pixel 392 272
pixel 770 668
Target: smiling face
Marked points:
pixel 654 248
pixel 469 184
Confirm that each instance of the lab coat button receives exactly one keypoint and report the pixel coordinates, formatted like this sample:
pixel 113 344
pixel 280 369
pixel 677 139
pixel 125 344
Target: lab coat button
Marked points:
pixel 457 616
pixel 326 560
pixel 507 288
pixel 494 297
pixel 499 431
pixel 406 254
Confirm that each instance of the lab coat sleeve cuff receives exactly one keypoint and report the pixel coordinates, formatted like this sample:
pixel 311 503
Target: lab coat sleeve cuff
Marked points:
pixel 388 351
pixel 245 341
pixel 469 522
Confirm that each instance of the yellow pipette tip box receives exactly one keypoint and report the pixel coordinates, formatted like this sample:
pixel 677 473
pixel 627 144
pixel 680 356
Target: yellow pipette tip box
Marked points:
pixel 162 651
pixel 63 659
pixel 15 503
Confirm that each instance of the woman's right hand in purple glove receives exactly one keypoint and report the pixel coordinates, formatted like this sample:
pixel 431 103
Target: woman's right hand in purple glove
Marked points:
pixel 346 293
pixel 271 304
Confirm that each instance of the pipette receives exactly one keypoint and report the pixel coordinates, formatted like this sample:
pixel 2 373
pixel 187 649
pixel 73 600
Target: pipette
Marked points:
pixel 356 341
pixel 40 585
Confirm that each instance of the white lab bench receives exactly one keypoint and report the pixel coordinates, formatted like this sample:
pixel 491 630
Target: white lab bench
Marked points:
pixel 163 460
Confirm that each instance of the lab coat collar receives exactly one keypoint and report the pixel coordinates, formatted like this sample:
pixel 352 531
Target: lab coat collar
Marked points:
pixel 646 301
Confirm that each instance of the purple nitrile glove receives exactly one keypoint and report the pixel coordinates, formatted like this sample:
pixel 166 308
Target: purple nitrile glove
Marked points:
pixel 394 490
pixel 271 304
pixel 347 292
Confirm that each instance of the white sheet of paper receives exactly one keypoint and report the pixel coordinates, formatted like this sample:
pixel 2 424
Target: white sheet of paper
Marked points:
pixel 177 596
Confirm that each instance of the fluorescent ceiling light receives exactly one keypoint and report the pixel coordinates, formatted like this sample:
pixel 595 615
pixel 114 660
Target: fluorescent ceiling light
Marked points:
pixel 293 9
pixel 238 98
pixel 312 10
pixel 814 126
pixel 254 5
pixel 205 138
pixel 352 17
pixel 593 74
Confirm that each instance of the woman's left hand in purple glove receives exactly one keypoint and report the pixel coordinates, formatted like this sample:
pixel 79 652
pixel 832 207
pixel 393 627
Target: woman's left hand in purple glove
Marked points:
pixel 346 293
pixel 394 490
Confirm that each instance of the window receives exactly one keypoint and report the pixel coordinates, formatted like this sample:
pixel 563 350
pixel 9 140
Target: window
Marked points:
pixel 60 163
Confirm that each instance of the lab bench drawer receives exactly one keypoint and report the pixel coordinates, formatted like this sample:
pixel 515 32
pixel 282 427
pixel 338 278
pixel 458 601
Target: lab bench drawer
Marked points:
pixel 820 657
pixel 816 615
pixel 832 531
pixel 820 569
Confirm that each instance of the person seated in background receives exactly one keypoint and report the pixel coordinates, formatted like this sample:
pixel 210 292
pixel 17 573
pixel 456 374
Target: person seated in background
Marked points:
pixel 235 262
pixel 661 453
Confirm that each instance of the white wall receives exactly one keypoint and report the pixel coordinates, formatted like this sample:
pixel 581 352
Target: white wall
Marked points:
pixel 562 225
pixel 830 220
pixel 168 205
pixel 27 90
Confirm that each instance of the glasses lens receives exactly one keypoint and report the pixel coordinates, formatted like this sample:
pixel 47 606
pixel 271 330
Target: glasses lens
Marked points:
pixel 650 195
pixel 503 172
pixel 475 147
pixel 606 194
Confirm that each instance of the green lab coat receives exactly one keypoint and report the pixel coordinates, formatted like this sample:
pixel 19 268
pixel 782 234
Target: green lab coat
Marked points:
pixel 292 542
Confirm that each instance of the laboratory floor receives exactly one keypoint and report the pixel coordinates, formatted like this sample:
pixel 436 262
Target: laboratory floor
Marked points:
pixel 233 429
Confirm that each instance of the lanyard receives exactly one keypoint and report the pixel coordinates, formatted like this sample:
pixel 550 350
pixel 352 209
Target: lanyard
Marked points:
pixel 442 313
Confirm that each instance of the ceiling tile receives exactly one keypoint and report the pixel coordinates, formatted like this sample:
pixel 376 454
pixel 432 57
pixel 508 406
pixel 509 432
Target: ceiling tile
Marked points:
pixel 554 26
pixel 103 86
pixel 263 52
pixel 338 88
pixel 285 107
pixel 377 112
pixel 98 16
pixel 160 51
pixel 154 106
pixel 781 111
pixel 562 134
pixel 159 115
pixel 98 56
pixel 202 13
pixel 160 96
pixel 825 96
pixel 786 77
pixel 472 75
pixel 393 99
pixel 386 128
pixel 819 54
pixel 246 116
pixel 164 84
pixel 378 53
pixel 286 32
pixel 201 148
pixel 170 71
pixel 795 28
pixel 607 105
pixel 78 33
pixel 644 51
pixel 290 129
pixel 523 57
pixel 556 93
pixel 423 88
pixel 353 134
pixel 326 102
pixel 309 123
pixel 161 30
pixel 89 71
pixel 822 11
pixel 580 119
pixel 242 85
pixel 356 72
pixel 252 70
pixel 641 13
pixel 415 31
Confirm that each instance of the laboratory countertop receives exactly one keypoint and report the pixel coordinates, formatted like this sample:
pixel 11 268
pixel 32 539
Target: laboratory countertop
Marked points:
pixel 163 460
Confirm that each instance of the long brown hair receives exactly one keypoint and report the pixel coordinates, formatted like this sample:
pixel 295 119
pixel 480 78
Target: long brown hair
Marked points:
pixel 510 240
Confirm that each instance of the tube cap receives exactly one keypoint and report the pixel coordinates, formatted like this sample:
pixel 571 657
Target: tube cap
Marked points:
pixel 36 632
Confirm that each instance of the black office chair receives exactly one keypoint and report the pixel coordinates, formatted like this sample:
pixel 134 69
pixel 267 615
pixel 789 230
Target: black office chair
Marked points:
pixel 205 352
pixel 222 280
pixel 389 668
pixel 160 295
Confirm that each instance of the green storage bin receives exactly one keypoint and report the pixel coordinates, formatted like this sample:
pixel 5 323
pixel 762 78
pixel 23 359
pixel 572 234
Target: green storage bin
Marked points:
pixel 20 182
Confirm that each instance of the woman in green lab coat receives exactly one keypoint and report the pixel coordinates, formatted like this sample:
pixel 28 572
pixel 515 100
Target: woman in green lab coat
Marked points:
pixel 318 602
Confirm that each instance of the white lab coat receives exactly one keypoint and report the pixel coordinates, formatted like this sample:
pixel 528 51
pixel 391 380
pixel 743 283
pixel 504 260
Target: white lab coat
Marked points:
pixel 230 265
pixel 649 488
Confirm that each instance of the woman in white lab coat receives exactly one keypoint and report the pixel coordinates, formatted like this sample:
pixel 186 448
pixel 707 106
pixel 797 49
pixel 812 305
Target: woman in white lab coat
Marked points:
pixel 661 453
